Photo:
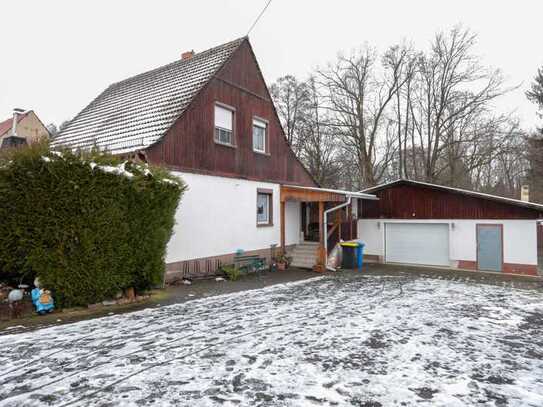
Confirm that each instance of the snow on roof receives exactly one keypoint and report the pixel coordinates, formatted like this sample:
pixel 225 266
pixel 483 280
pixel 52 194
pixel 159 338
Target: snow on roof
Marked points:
pixel 510 201
pixel 352 194
pixel 135 113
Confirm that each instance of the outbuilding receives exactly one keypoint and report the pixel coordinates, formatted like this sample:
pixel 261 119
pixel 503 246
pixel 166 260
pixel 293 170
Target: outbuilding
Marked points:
pixel 426 224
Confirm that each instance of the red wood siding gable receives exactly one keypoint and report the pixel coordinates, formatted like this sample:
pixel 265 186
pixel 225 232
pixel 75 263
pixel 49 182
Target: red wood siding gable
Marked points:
pixel 189 144
pixel 403 201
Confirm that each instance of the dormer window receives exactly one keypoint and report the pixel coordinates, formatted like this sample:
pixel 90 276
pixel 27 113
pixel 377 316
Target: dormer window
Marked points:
pixel 224 125
pixel 260 133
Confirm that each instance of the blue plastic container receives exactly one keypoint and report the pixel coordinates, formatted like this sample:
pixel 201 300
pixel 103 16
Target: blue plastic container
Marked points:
pixel 360 254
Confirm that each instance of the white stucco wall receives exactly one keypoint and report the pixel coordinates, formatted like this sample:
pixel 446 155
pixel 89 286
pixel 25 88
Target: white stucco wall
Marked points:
pixel 217 216
pixel 519 238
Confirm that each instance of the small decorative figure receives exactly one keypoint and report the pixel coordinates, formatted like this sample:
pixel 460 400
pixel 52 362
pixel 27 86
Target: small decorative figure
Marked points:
pixel 15 295
pixel 42 299
pixel 14 298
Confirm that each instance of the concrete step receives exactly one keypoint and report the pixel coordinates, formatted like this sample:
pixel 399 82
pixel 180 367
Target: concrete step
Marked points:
pixel 310 262
pixel 306 248
pixel 303 254
pixel 303 265
pixel 308 244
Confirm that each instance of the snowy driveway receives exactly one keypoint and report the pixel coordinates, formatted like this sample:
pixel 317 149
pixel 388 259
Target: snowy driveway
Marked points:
pixel 338 340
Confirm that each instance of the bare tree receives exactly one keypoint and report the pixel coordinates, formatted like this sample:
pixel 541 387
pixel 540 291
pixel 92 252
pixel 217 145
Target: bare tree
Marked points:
pixel 301 112
pixel 369 117
pixel 358 90
pixel 453 90
pixel 291 98
pixel 319 150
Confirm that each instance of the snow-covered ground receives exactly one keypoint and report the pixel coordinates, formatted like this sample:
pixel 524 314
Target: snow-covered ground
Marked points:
pixel 338 340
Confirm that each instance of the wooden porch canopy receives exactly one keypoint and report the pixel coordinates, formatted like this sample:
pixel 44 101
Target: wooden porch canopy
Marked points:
pixel 320 195
pixel 313 194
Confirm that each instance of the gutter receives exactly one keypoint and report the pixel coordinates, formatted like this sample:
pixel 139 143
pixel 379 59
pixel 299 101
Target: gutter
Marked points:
pixel 326 212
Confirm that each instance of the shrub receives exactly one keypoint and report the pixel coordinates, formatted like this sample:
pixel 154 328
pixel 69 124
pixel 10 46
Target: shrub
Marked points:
pixel 88 224
pixel 232 273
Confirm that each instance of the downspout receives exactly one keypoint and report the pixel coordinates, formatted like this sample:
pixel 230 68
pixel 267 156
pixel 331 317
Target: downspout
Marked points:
pixel 326 212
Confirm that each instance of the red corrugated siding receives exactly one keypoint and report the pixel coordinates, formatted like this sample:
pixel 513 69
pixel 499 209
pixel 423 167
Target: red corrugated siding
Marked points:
pixel 418 202
pixel 189 145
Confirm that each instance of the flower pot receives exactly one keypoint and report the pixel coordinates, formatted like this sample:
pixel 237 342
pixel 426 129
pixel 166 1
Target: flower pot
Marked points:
pixel 281 266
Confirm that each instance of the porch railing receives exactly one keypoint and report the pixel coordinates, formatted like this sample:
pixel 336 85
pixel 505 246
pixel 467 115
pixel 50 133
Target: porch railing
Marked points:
pixel 346 230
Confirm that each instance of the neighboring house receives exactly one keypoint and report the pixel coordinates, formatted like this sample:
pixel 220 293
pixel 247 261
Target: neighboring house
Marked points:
pixel 426 224
pixel 209 118
pixel 28 129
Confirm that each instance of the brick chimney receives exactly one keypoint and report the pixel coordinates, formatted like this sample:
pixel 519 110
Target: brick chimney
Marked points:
pixel 187 55
pixel 16 113
pixel 525 193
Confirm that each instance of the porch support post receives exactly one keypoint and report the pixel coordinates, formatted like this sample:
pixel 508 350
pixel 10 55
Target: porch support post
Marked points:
pixel 282 226
pixel 320 266
pixel 339 220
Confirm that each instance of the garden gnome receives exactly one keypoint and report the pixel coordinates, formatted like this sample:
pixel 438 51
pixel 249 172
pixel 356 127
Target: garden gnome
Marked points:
pixel 42 299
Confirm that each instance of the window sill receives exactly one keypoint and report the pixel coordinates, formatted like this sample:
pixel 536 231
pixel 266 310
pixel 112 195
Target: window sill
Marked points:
pixel 263 225
pixel 262 153
pixel 225 144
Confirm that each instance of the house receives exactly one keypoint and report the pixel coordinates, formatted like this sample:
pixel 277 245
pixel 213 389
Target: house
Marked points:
pixel 426 224
pixel 23 128
pixel 210 119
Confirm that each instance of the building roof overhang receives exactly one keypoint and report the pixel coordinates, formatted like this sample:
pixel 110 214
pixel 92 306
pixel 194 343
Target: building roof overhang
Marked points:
pixel 314 194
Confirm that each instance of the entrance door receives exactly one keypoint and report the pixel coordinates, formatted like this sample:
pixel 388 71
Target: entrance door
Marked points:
pixel 489 247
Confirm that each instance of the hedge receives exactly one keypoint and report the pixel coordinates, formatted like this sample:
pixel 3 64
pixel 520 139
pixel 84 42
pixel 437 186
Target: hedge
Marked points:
pixel 87 224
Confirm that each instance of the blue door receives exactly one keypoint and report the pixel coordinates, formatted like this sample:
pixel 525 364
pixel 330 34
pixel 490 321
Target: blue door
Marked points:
pixel 489 247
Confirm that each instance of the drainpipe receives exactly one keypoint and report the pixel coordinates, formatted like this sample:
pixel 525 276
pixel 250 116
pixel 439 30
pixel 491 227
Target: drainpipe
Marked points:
pixel 326 212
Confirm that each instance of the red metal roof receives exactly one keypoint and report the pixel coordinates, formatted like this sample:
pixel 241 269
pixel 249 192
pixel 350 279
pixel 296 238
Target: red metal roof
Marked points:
pixel 6 124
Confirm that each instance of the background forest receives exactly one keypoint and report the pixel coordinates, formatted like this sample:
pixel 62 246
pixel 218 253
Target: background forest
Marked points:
pixel 369 117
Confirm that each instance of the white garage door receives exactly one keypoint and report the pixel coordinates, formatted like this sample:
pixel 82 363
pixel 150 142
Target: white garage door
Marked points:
pixel 417 243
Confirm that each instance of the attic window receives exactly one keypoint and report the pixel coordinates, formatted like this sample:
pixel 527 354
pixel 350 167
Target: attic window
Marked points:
pixel 224 125
pixel 260 128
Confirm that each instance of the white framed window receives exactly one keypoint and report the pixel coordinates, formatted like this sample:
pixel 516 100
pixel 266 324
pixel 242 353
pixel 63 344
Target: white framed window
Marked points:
pixel 224 125
pixel 260 129
pixel 264 210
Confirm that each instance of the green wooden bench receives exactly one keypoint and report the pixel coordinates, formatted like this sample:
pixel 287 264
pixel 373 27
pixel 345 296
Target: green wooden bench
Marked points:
pixel 249 263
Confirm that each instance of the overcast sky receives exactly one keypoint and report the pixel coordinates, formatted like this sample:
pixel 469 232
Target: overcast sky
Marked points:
pixel 59 55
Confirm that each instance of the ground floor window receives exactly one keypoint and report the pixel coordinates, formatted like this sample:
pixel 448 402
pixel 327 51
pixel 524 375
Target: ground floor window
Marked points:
pixel 264 207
